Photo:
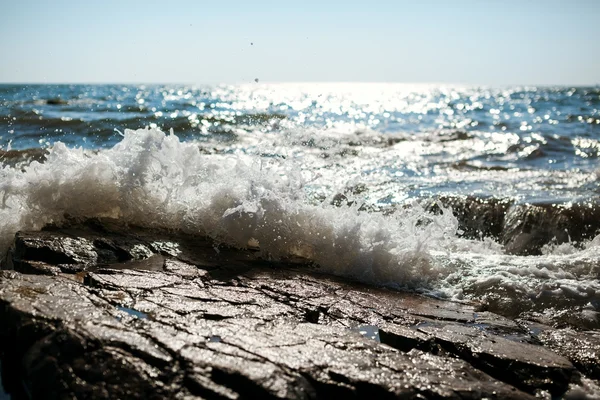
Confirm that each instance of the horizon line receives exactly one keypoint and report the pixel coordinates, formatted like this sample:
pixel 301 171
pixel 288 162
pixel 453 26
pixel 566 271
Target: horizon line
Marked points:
pixel 291 82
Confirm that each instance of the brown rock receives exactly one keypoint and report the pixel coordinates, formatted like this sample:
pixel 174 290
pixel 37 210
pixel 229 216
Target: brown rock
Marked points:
pixel 164 316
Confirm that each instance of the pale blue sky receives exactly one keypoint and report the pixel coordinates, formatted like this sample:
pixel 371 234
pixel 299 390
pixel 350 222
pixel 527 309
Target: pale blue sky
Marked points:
pixel 462 41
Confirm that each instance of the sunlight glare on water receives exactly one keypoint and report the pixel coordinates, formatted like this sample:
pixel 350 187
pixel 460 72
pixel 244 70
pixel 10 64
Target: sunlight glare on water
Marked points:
pixel 341 174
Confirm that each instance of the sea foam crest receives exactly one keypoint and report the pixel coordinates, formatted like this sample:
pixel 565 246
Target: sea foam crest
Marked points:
pixel 153 179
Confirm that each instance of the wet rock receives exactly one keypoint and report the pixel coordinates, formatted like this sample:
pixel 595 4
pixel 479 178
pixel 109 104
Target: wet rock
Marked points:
pixel 477 217
pixel 167 316
pixel 524 365
pixel 504 352
pixel 207 343
pixel 51 249
pixel 406 338
pixel 528 227
pixel 391 141
pixel 22 157
pixel 522 228
pixel 56 102
pixel 582 348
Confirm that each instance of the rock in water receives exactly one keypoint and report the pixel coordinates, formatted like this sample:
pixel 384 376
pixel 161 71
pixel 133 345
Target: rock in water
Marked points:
pixel 99 311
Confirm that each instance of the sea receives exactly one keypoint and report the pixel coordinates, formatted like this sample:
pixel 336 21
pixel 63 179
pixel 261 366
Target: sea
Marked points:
pixel 479 194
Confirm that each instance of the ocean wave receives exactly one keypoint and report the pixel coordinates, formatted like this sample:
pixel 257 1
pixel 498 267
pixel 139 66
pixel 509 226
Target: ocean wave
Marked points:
pixel 107 119
pixel 154 180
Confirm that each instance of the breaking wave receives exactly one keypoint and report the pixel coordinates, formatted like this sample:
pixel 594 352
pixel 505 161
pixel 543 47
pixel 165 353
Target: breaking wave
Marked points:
pixel 154 180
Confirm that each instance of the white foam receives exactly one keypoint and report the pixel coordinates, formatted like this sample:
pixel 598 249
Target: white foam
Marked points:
pixel 152 179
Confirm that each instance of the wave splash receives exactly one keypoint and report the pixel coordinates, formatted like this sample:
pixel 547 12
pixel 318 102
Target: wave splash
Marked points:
pixel 154 180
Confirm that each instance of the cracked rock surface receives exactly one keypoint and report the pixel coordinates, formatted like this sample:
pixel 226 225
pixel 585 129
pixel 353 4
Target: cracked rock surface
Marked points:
pixel 95 310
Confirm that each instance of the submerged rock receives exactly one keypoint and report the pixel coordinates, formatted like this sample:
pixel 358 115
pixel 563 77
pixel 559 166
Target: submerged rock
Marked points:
pixel 477 217
pixel 22 157
pixel 523 229
pixel 528 227
pixel 56 101
pixel 99 311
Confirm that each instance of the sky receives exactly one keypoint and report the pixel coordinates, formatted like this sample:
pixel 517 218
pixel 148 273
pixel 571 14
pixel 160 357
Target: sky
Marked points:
pixel 484 42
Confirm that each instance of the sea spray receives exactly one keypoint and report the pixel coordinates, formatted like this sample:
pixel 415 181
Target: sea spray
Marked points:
pixel 154 180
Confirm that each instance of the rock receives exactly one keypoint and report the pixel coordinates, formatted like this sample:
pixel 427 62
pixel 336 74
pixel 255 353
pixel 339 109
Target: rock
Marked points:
pixel 528 227
pixel 582 348
pixel 15 158
pixel 584 389
pixel 159 315
pixel 477 217
pixel 522 228
pixel 524 365
pixel 172 338
pixel 56 102
pixel 503 356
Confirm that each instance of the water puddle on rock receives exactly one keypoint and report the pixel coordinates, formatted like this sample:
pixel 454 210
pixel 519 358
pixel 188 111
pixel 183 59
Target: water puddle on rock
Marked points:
pixel 423 324
pixel 133 313
pixel 481 326
pixel 214 339
pixel 369 331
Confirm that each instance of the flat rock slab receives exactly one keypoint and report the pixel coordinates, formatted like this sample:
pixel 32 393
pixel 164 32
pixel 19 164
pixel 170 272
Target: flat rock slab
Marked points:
pixel 582 348
pixel 138 314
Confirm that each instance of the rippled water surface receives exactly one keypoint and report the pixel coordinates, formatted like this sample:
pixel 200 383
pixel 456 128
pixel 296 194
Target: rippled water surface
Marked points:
pixel 344 175
pixel 528 142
